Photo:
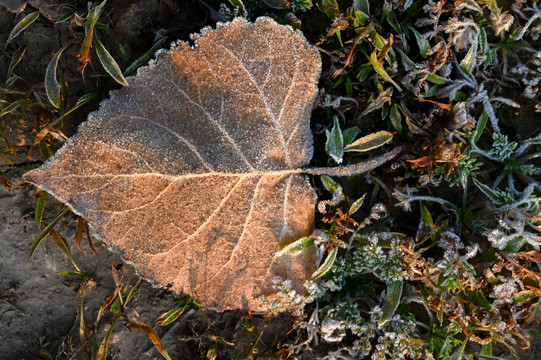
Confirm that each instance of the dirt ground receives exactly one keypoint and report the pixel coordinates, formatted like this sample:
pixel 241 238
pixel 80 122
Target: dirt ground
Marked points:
pixel 39 309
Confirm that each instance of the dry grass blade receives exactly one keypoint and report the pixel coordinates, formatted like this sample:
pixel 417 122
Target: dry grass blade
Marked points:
pixel 21 25
pixel 84 53
pixel 6 182
pixel 358 38
pixel 78 238
pixel 278 4
pixel 134 324
pixel 385 50
pixel 108 302
pixel 47 130
pixel 370 142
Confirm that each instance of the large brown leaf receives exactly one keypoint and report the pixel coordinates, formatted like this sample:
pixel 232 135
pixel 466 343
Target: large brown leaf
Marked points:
pixel 194 172
pixel 188 171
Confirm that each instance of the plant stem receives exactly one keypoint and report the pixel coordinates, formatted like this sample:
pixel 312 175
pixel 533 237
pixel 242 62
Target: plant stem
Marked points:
pixel 356 169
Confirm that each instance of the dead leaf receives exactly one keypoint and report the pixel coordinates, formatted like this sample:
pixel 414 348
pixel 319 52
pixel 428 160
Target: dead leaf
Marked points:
pixel 190 173
pixel 194 172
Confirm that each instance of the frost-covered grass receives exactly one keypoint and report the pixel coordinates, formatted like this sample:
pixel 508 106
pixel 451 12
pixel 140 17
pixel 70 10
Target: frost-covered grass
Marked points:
pixel 455 266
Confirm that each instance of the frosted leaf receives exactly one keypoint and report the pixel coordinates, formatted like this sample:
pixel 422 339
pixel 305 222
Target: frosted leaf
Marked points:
pixel 191 172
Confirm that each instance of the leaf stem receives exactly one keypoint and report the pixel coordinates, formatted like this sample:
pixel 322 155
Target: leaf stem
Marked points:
pixel 356 169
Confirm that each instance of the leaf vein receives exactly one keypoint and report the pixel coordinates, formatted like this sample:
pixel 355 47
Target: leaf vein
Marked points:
pixel 277 126
pixel 244 227
pixel 222 130
pixel 180 137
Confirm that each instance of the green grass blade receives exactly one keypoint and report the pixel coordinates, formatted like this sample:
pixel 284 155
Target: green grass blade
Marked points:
pixel 481 123
pixel 377 103
pixel 350 134
pixel 436 79
pixel 297 246
pixel 17 57
pixel 71 273
pixel 46 231
pixel 329 183
pixel 40 207
pixel 422 42
pixel 144 58
pixel 427 217
pixel 52 87
pixel 396 118
pixel 8 160
pixel 9 91
pixel 356 205
pixel 238 3
pixel 63 18
pixel 108 63
pixel 250 353
pixel 10 108
pixel 335 142
pixel 467 64
pixel 23 24
pixel 102 351
pixel 173 314
pixel 326 266
pixel 378 67
pixel 82 100
pixel 44 150
pixel 63 245
pixel 394 292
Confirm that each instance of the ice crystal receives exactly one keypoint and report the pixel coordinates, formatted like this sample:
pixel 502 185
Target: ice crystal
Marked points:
pixel 501 149
pixel 405 197
pixel 511 227
pixel 332 330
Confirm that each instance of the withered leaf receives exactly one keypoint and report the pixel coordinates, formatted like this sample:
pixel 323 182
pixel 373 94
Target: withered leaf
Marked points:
pixel 191 171
pixel 194 173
